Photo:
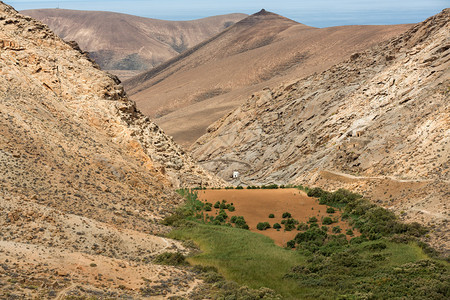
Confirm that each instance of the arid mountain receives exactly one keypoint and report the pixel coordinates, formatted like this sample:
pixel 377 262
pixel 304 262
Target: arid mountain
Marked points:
pixel 83 176
pixel 378 123
pixel 197 88
pixel 126 45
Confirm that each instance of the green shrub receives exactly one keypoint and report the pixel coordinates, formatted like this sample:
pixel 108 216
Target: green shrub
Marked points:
pixel 263 225
pixel 324 228
pixel 239 187
pixel 302 226
pixel 286 215
pixel 290 244
pixel 170 258
pixel 276 226
pixel 327 221
pixel 217 204
pixel 349 232
pixel 330 210
pixel 240 222
pixel 313 220
pixel 271 216
pixel 289 224
pixel 336 229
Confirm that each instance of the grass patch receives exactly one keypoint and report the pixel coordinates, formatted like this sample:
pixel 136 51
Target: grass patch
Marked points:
pixel 246 257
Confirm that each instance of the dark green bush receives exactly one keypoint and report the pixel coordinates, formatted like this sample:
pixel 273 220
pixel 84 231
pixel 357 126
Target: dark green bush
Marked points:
pixel 327 221
pixel 349 232
pixel 330 210
pixel 217 204
pixel 276 226
pixel 336 229
pixel 286 215
pixel 271 216
pixel 263 225
pixel 239 187
pixel 231 208
pixel 290 244
pixel 313 220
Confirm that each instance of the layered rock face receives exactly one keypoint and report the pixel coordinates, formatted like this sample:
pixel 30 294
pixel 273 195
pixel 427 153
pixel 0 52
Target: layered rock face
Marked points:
pixel 83 174
pixel 377 123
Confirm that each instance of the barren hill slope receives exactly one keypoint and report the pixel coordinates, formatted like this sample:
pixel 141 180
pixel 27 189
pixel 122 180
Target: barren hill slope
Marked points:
pixel 193 90
pixel 379 123
pixel 126 45
pixel 84 176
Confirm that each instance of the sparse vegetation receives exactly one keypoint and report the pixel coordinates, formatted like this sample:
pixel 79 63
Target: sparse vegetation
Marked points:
pixel 369 265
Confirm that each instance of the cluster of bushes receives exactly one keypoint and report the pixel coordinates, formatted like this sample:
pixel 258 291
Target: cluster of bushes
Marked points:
pixel 289 224
pixel 223 205
pixel 263 225
pixel 239 222
pixel 370 219
pixel 363 271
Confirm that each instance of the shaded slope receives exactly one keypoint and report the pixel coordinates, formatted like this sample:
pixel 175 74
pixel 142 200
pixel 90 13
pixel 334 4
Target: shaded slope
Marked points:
pixel 198 87
pixel 84 176
pixel 126 44
pixel 377 123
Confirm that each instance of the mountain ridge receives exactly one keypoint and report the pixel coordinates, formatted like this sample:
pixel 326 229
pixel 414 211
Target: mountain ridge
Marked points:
pixel 126 45
pixel 192 90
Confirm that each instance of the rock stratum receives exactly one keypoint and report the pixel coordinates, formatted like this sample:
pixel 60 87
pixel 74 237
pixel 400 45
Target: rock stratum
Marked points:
pixel 378 123
pixel 84 176
pixel 191 91
pixel 126 45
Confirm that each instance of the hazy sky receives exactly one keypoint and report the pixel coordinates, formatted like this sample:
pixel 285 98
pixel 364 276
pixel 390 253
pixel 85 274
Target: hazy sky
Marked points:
pixel 319 13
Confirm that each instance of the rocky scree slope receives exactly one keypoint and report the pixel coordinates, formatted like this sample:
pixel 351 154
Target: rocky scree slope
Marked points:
pixel 378 123
pixel 84 176
pixel 125 44
pixel 198 87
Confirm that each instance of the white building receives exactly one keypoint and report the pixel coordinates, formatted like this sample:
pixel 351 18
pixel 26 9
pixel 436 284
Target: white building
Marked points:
pixel 235 174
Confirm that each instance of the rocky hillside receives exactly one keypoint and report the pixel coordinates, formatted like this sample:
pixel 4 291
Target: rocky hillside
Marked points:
pixel 195 89
pixel 126 45
pixel 377 123
pixel 84 176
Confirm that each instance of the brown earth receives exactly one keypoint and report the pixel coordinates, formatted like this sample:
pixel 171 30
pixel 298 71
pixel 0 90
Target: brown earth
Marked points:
pixel 84 177
pixel 195 89
pixel 377 124
pixel 126 45
pixel 256 205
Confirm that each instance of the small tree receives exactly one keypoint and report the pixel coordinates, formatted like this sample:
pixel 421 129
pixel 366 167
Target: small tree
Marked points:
pixel 271 216
pixel 286 215
pixel 276 226
pixel 330 210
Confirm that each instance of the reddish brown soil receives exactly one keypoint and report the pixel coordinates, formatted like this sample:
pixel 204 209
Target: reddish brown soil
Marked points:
pixel 256 205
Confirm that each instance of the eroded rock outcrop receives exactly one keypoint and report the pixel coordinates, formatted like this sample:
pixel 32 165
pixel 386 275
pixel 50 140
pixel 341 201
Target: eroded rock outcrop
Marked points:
pixel 377 123
pixel 84 176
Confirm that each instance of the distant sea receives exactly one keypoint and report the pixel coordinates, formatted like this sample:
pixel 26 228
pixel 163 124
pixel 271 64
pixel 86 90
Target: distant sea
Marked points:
pixel 318 13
